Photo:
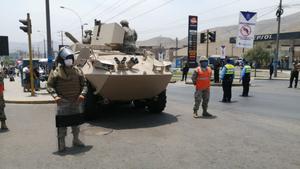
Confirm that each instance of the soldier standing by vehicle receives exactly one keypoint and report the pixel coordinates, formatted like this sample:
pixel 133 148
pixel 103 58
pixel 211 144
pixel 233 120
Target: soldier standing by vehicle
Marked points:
pixel 67 85
pixel 245 77
pixel 294 75
pixel 227 76
pixel 201 80
pixel 2 102
pixel 130 38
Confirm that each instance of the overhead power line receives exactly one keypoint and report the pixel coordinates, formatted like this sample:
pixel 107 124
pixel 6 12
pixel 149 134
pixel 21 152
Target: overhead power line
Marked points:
pixel 151 10
pixel 126 9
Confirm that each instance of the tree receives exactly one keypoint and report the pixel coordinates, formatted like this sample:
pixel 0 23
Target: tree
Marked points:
pixel 258 55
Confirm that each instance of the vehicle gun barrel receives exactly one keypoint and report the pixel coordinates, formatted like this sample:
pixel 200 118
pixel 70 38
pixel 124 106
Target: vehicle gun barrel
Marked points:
pixel 71 37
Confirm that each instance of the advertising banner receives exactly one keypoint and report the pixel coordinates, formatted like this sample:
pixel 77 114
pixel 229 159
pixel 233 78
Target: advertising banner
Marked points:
pixel 192 41
pixel 246 27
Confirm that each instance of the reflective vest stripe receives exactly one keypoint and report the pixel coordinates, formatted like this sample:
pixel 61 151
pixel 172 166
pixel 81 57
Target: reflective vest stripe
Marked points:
pixel 248 69
pixel 229 69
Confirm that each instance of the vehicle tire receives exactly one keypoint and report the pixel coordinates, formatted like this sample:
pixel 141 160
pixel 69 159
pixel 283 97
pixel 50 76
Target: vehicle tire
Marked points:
pixel 91 105
pixel 139 104
pixel 157 104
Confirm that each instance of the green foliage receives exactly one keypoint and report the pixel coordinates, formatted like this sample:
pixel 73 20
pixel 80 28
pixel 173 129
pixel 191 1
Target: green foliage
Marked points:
pixel 8 61
pixel 258 55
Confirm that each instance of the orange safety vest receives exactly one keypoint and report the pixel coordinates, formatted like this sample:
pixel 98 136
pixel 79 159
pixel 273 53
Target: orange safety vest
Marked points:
pixel 203 78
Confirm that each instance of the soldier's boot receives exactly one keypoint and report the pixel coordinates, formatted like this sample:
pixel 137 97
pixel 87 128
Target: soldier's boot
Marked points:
pixel 195 114
pixel 205 114
pixel 76 141
pixel 3 125
pixel 61 144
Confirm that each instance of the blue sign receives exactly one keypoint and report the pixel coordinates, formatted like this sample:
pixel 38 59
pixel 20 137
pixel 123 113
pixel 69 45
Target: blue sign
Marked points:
pixel 248 15
pixel 178 63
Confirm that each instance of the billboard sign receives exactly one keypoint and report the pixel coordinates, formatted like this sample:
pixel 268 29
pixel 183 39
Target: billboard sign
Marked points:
pixel 246 27
pixel 192 41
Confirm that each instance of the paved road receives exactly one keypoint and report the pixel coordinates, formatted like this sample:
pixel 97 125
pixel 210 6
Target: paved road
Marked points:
pixel 258 132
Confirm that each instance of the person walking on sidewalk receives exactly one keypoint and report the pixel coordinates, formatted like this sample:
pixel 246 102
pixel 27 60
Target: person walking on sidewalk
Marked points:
pixel 246 77
pixel 271 69
pixel 201 80
pixel 2 102
pixel 68 87
pixel 185 71
pixel 294 75
pixel 227 76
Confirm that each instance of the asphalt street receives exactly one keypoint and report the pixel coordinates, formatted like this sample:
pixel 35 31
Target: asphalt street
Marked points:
pixel 258 132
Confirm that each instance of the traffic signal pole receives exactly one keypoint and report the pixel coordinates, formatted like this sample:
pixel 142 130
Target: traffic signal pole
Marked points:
pixel 278 14
pixel 28 30
pixel 207 43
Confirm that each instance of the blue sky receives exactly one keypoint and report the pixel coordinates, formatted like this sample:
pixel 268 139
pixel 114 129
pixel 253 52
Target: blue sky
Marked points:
pixel 150 18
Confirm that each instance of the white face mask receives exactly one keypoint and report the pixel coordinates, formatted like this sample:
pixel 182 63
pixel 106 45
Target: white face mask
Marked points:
pixel 68 62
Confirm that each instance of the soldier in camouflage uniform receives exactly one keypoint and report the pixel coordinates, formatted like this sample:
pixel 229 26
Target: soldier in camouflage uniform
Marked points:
pixel 130 38
pixel 67 85
pixel 2 102
pixel 201 80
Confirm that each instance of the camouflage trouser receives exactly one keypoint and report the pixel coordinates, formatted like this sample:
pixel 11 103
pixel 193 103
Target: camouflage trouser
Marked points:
pixel 2 105
pixel 199 95
pixel 68 108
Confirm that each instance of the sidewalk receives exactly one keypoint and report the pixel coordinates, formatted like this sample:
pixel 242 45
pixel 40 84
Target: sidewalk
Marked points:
pixel 13 93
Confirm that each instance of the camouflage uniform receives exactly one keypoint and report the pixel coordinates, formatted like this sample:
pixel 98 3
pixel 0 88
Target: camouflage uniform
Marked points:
pixel 2 102
pixel 68 83
pixel 130 38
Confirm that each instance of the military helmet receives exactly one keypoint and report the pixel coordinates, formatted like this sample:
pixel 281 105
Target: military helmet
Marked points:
pixel 63 54
pixel 124 22
pixel 203 58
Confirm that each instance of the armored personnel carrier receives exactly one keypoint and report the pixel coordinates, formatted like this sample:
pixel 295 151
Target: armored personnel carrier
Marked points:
pixel 114 76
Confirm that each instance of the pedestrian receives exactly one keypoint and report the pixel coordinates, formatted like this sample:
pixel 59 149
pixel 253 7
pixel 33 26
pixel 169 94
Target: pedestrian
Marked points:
pixel 271 69
pixel 201 80
pixel 36 77
pixel 294 75
pixel 246 77
pixel 67 85
pixel 2 102
pixel 227 76
pixel 185 71
pixel 217 66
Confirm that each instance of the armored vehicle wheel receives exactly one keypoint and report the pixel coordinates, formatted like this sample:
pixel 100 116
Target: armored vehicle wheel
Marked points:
pixel 139 104
pixel 158 103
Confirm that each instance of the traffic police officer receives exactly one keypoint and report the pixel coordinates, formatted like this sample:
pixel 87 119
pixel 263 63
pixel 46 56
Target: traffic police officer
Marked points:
pixel 130 38
pixel 227 76
pixel 67 85
pixel 2 102
pixel 201 80
pixel 245 77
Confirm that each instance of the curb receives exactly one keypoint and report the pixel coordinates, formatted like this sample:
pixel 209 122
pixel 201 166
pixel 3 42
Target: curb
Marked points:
pixel 30 102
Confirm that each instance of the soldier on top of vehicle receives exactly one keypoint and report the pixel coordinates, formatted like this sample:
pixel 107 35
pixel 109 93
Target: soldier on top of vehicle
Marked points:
pixel 130 38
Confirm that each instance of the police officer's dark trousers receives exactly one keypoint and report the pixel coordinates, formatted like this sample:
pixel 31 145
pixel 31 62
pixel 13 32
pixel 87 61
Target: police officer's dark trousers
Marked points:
pixel 246 84
pixel 227 85
pixel 294 75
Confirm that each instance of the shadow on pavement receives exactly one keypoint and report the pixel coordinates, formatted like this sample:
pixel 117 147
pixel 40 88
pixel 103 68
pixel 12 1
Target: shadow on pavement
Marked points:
pixel 74 150
pixel 127 117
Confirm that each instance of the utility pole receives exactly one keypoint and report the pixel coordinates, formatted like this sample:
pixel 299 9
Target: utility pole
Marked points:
pixel 176 54
pixel 278 14
pixel 207 43
pixel 27 28
pixel 49 45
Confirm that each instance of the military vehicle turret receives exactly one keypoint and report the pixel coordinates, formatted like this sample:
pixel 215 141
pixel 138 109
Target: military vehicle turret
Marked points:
pixel 115 75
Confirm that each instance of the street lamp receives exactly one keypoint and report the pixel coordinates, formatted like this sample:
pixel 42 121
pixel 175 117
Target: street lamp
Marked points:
pixel 81 25
pixel 43 34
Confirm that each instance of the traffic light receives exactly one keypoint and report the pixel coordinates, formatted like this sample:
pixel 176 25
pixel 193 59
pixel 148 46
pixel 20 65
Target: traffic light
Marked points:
pixel 27 25
pixel 202 37
pixel 212 36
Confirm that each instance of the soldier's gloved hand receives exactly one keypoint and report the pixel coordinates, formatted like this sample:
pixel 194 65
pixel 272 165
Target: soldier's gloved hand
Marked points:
pixel 80 98
pixel 57 99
